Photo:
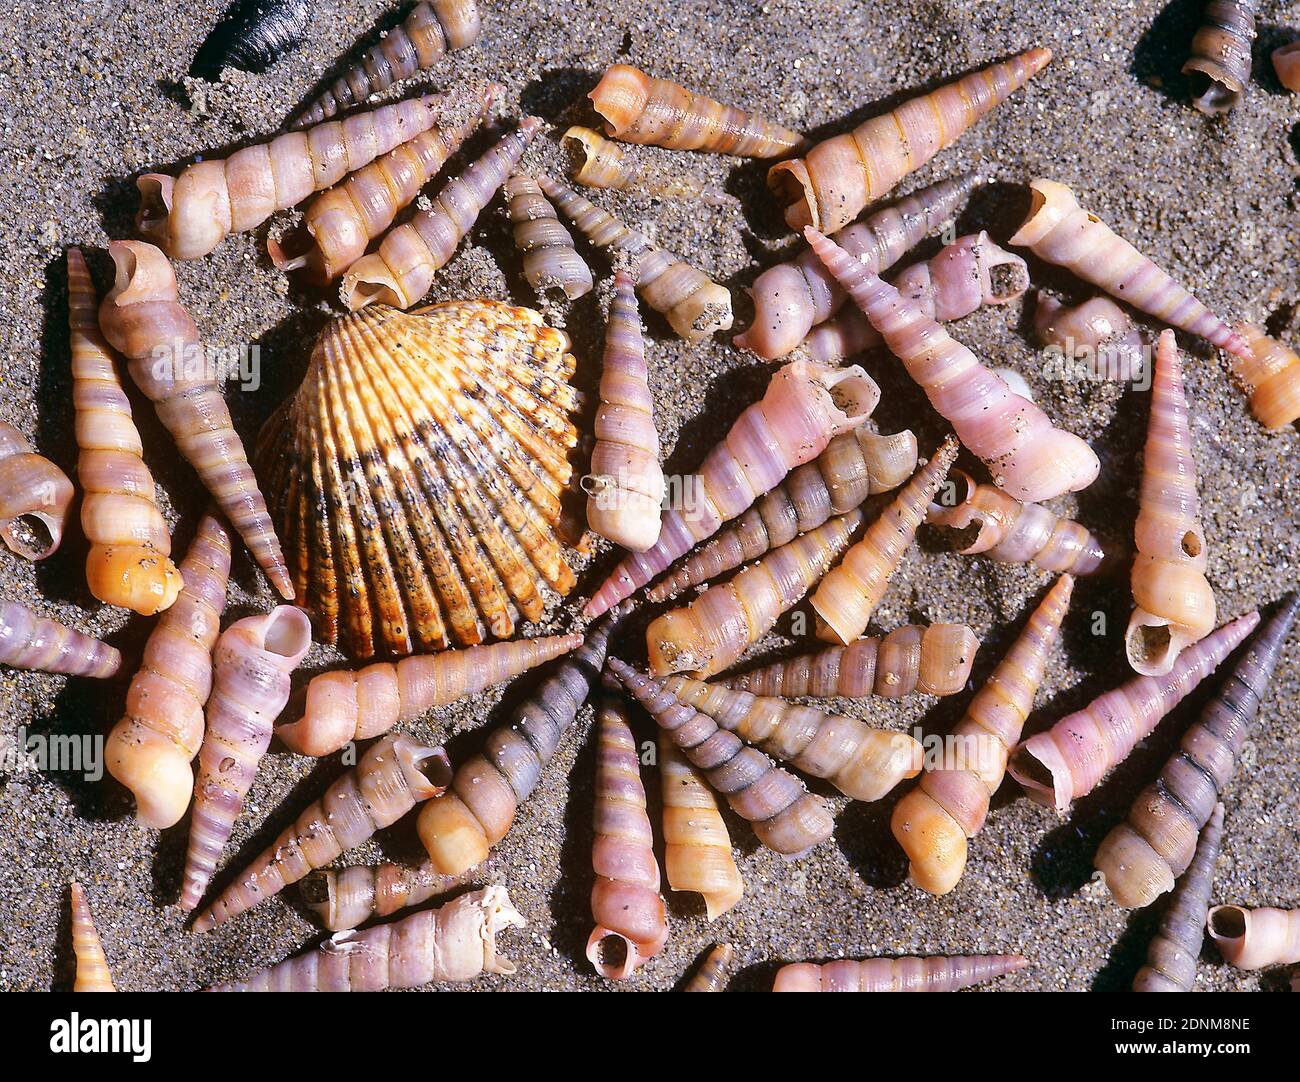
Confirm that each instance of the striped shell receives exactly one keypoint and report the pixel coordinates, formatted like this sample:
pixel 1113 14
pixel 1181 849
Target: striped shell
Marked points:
pixel 417 474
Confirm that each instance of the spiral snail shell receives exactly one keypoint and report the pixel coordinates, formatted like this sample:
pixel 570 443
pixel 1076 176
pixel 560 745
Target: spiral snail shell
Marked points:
pixel 933 974
pixel 1255 938
pixel 28 641
pixel 92 966
pixel 1219 66
pixel 714 971
pixel 1271 377
pixel 31 488
pixel 344 898
pixel 550 260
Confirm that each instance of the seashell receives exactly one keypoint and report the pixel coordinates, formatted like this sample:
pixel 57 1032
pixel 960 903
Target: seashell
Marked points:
pixel 1060 231
pixel 1098 331
pixel 430 30
pixel 1067 761
pixel 829 186
pixel 625 487
pixel 933 974
pixel 849 594
pixel 854 465
pixel 1012 532
pixel 455 942
pixel 34 497
pixel 710 634
pixel 1271 377
pixel 344 898
pixel 417 475
pixel 401 270
pixel 28 641
pixel 631 921
pixel 459 827
pixel 250 685
pixel 933 660
pixel 340 707
pixel 1286 63
pixel 257 34
pixel 949 805
pixel 638 108
pixel 189 215
pixel 694 305
pixel 130 546
pixel 394 775
pixel 1255 938
pixel 92 966
pixel 550 260
pixel 144 321
pixel 714 971
pixel 1175 602
pixel 150 749
pixel 792 298
pixel 1219 67
pixel 786 817
pixel 1172 953
pixel 599 163
pixel 970 272
pixel 804 407
pixel 1027 455
pixel 697 847
pixel 340 223
pixel 861 762
pixel 1142 857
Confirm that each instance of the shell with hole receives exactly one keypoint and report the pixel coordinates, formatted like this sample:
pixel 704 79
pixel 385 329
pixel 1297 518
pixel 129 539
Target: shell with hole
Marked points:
pixel 1255 938
pixel 34 497
pixel 1219 67
pixel 551 263
pixel 417 475
pixel 344 898
pixel 597 162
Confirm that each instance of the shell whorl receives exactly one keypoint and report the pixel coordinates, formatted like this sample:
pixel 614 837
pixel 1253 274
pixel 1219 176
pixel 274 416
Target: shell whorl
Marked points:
pixel 1174 601
pixel 932 974
pixel 714 971
pixel 1219 66
pixel 92 965
pixel 31 488
pixel 150 749
pixel 344 898
pixel 1098 332
pixel 28 641
pixel 1255 938
pixel 1270 376
pixel 596 162
pixel 550 260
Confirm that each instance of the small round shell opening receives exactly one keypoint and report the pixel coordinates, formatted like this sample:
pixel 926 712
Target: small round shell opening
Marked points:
pixel 289 632
pixel 1228 922
pixel 1191 544
pixel 1149 645
pixel 29 536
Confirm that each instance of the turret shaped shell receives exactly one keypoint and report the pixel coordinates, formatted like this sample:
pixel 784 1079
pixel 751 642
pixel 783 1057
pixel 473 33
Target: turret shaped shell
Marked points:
pixel 1175 603
pixel 1013 532
pixel 130 545
pixel 714 971
pixel 970 272
pixel 1271 377
pixel 710 634
pixel 1098 333
pixel 792 298
pixel 1255 938
pixel 459 827
pixel 861 762
pixel 340 707
pixel 1067 761
pixel 150 749
pixel 641 109
pixel 1219 67
pixel 599 163
pixel 625 487
pixel 1028 456
pixel 456 942
pixel 785 816
pixel 401 270
pixel 697 847
pixel 344 898
pixel 189 215
pixel 854 465
pixel 550 260
pixel 1143 856
pixel 804 408
pixel 143 320
pixel 949 805
pixel 92 966
pixel 849 594
pixel 1060 231
pixel 694 305
pixel 631 921
pixel 1172 954
pixel 28 641
pixel 429 31
pixel 417 475
pixel 31 488
pixel 250 685
pixel 933 660
pixel 394 775
pixel 829 185
pixel 339 224
pixel 934 974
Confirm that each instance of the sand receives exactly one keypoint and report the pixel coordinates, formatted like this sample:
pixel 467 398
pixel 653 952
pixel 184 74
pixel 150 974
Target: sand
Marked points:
pixel 92 94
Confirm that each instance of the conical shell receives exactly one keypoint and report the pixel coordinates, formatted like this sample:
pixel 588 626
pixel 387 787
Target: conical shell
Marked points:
pixel 1271 377
pixel 1219 67
pixel 417 474
pixel 714 971
pixel 933 974
pixel 92 966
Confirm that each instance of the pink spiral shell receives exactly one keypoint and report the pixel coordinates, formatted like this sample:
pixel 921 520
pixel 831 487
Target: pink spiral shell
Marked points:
pixel 714 971
pixel 1270 376
pixel 934 974
pixel 31 487
pixel 344 898
pixel 550 260
pixel 1255 938
pixel 1098 332
pixel 1219 67
pixel 28 641
pixel 92 966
